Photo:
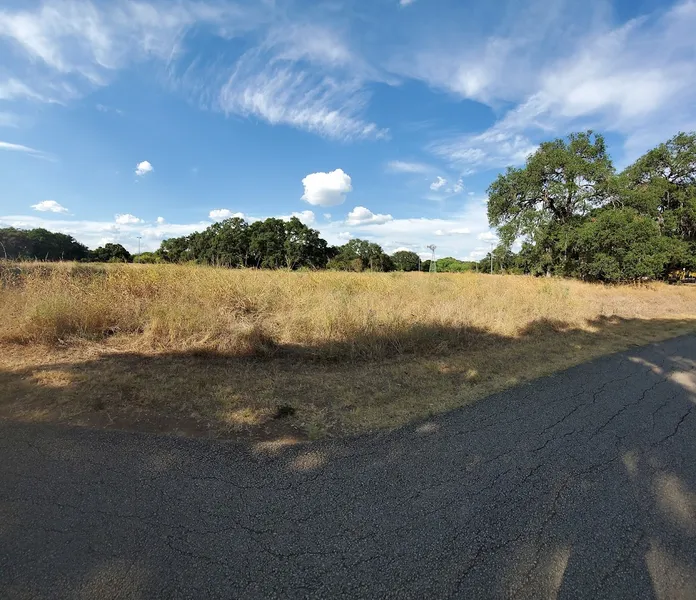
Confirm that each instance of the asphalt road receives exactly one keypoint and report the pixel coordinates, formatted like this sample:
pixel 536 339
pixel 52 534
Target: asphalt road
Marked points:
pixel 581 485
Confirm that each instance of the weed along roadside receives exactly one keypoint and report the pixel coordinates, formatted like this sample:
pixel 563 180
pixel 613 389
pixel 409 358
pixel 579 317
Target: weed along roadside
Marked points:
pixel 229 353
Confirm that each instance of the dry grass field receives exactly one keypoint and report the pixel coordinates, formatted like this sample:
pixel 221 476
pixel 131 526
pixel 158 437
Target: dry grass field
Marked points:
pixel 216 352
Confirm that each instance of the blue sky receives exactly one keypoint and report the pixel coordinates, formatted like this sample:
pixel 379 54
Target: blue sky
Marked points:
pixel 379 119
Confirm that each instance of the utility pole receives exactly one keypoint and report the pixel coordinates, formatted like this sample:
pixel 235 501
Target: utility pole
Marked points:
pixel 491 258
pixel 140 237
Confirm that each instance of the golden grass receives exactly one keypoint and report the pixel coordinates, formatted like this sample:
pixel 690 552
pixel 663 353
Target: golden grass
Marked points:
pixel 221 349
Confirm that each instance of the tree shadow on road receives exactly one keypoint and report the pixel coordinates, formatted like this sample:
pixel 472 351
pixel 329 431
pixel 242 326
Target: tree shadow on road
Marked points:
pixel 580 485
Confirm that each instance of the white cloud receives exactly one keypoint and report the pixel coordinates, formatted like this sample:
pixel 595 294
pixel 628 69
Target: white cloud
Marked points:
pixel 400 166
pixel 282 93
pixel 13 89
pixel 49 206
pixel 487 236
pixel 326 189
pixel 390 233
pixel 19 148
pixel 493 148
pixel 453 231
pixel 75 45
pixel 416 233
pixel 143 168
pixel 458 187
pixel 127 219
pixel 637 79
pixel 97 233
pixel 160 220
pixel 306 216
pixel 220 214
pixel 108 109
pixel 406 2
pixel 362 216
pixel 438 184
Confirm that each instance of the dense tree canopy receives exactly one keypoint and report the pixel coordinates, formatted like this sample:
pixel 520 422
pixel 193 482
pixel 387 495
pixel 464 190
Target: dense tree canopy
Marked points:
pixel 111 253
pixel 405 260
pixel 575 216
pixel 40 244
pixel 360 255
pixel 272 243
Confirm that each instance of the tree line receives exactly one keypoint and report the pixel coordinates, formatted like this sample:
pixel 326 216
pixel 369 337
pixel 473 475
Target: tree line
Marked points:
pixel 272 243
pixel 576 216
pixel 277 243
pixel 569 210
pixel 41 244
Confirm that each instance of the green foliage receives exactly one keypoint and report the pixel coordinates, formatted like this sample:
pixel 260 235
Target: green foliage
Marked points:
pixel 361 255
pixel 623 245
pixel 271 244
pixel 453 265
pixel 149 258
pixel 504 261
pixel 40 244
pixel 576 217
pixel 113 253
pixel 561 179
pixel 405 260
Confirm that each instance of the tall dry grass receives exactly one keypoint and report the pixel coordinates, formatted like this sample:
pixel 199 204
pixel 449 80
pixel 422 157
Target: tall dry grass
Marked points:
pixel 323 314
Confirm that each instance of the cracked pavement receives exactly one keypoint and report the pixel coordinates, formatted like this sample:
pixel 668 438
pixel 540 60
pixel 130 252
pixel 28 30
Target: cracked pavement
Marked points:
pixel 579 485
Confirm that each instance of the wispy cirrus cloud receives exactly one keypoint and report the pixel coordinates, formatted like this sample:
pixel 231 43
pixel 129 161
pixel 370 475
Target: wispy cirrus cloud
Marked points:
pixel 298 74
pixel 637 79
pixel 401 166
pixel 25 149
pixel 70 47
pixel 282 94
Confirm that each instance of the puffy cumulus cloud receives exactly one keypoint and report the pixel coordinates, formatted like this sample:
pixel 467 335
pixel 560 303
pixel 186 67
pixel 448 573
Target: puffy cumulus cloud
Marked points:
pixel 160 220
pixel 454 236
pixel 128 219
pixel 49 206
pixel 363 216
pixel 438 184
pixel 326 189
pixel 219 214
pixel 458 187
pixel 306 216
pixel 143 168
pixel 488 236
